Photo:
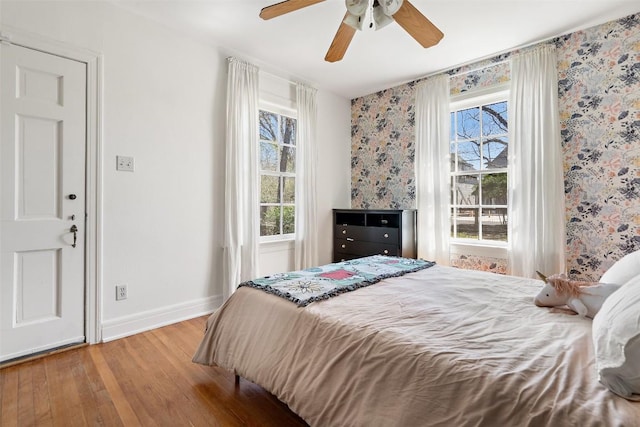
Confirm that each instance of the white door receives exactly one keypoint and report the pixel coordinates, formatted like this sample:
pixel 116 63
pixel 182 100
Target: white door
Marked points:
pixel 42 199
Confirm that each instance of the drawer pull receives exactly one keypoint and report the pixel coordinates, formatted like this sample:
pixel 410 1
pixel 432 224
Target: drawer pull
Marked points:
pixel 349 239
pixel 344 246
pixel 386 235
pixel 344 231
pixel 386 251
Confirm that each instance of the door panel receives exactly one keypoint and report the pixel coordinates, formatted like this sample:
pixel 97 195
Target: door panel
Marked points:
pixel 37 286
pixel 40 85
pixel 42 162
pixel 38 145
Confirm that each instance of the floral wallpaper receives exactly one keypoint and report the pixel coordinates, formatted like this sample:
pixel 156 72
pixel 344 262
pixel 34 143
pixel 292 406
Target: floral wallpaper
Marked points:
pixel 383 149
pixel 599 87
pixel 383 137
pixel 480 75
pixel 599 100
pixel 473 262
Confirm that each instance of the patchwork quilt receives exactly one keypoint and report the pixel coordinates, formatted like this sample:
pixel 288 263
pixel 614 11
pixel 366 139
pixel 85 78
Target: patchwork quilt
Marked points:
pixel 318 283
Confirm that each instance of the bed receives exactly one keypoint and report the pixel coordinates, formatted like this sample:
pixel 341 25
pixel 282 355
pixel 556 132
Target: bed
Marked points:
pixel 438 346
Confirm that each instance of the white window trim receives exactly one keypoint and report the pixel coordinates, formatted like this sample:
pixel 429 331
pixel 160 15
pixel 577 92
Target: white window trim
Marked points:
pixel 292 113
pixel 461 246
pixel 278 109
pixel 480 96
pixel 279 238
pixel 484 248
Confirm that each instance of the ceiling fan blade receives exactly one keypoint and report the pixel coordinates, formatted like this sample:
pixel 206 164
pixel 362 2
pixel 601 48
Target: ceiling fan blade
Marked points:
pixel 417 25
pixel 285 7
pixel 340 42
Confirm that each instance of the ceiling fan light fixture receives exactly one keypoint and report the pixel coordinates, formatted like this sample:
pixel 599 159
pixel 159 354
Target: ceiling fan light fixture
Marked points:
pixel 353 21
pixel 390 7
pixel 357 7
pixel 380 19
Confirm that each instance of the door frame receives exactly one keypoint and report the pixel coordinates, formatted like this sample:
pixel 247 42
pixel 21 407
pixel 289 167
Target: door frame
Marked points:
pixel 93 174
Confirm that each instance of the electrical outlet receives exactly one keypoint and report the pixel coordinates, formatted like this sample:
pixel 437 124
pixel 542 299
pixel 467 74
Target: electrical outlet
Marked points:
pixel 124 163
pixel 121 292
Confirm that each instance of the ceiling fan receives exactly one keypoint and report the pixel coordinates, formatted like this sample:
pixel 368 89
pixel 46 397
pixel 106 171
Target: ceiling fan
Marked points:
pixel 362 14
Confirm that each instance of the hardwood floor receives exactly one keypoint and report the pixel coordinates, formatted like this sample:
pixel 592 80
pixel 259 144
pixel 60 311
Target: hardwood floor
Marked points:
pixel 146 379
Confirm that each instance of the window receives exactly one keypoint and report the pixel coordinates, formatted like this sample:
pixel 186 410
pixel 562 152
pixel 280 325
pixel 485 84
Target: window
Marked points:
pixel 277 149
pixel 479 161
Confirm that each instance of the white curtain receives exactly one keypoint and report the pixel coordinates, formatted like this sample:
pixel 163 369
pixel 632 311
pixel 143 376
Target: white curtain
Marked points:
pixel 433 168
pixel 306 244
pixel 242 215
pixel 536 183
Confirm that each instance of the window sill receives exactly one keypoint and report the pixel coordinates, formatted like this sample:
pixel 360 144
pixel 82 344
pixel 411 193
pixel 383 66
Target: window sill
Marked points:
pixel 276 245
pixel 487 249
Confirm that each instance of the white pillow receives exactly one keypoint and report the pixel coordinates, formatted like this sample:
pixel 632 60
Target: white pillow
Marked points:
pixel 616 338
pixel 623 270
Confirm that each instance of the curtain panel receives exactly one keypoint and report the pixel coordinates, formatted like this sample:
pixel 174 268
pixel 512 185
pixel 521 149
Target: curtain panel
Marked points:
pixel 242 216
pixel 536 183
pixel 432 168
pixel 306 244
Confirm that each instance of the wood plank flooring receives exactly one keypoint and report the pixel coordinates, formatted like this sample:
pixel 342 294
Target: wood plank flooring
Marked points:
pixel 143 380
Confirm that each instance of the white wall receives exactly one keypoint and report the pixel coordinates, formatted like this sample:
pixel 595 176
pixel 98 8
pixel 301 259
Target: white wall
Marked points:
pixel 334 176
pixel 164 104
pixel 334 166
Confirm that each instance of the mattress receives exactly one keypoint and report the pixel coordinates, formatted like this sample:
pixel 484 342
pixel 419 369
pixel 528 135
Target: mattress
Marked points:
pixel 440 346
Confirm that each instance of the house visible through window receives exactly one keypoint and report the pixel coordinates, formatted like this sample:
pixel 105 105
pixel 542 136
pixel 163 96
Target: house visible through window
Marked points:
pixel 479 153
pixel 277 174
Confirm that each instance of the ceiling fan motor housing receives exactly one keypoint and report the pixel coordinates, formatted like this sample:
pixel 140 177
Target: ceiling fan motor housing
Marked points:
pixel 371 14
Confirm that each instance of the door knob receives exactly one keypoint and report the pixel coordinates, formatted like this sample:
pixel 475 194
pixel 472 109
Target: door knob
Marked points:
pixel 72 196
pixel 74 230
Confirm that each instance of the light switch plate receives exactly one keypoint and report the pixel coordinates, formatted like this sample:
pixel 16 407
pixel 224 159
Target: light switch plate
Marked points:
pixel 124 163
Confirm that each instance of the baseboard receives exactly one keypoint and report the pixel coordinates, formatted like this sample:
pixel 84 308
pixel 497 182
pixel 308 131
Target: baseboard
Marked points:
pixel 129 325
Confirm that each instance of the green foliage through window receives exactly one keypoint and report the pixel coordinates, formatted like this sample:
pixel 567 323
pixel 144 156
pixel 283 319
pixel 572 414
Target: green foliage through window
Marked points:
pixel 277 173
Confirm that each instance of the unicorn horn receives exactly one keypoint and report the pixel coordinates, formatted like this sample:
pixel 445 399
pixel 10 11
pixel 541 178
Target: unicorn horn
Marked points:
pixel 542 276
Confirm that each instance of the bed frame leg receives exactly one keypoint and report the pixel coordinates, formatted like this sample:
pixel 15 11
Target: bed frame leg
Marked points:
pixel 237 379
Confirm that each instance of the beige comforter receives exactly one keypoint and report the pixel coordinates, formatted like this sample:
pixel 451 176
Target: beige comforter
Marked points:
pixel 441 346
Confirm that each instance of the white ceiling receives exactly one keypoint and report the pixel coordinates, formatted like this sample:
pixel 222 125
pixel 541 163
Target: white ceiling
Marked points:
pixel 294 45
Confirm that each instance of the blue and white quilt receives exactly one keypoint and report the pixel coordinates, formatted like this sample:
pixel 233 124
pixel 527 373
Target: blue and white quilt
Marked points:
pixel 318 283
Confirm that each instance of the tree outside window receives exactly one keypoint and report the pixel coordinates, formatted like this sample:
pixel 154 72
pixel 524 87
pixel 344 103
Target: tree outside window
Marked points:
pixel 479 160
pixel 277 174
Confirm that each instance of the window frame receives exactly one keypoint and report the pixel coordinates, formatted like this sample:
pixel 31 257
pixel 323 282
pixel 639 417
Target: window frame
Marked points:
pixel 495 248
pixel 279 110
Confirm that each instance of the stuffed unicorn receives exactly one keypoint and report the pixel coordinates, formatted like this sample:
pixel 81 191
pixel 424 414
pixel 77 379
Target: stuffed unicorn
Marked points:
pixel 585 298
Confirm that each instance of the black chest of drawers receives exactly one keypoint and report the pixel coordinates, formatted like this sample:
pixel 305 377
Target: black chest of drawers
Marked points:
pixel 363 232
